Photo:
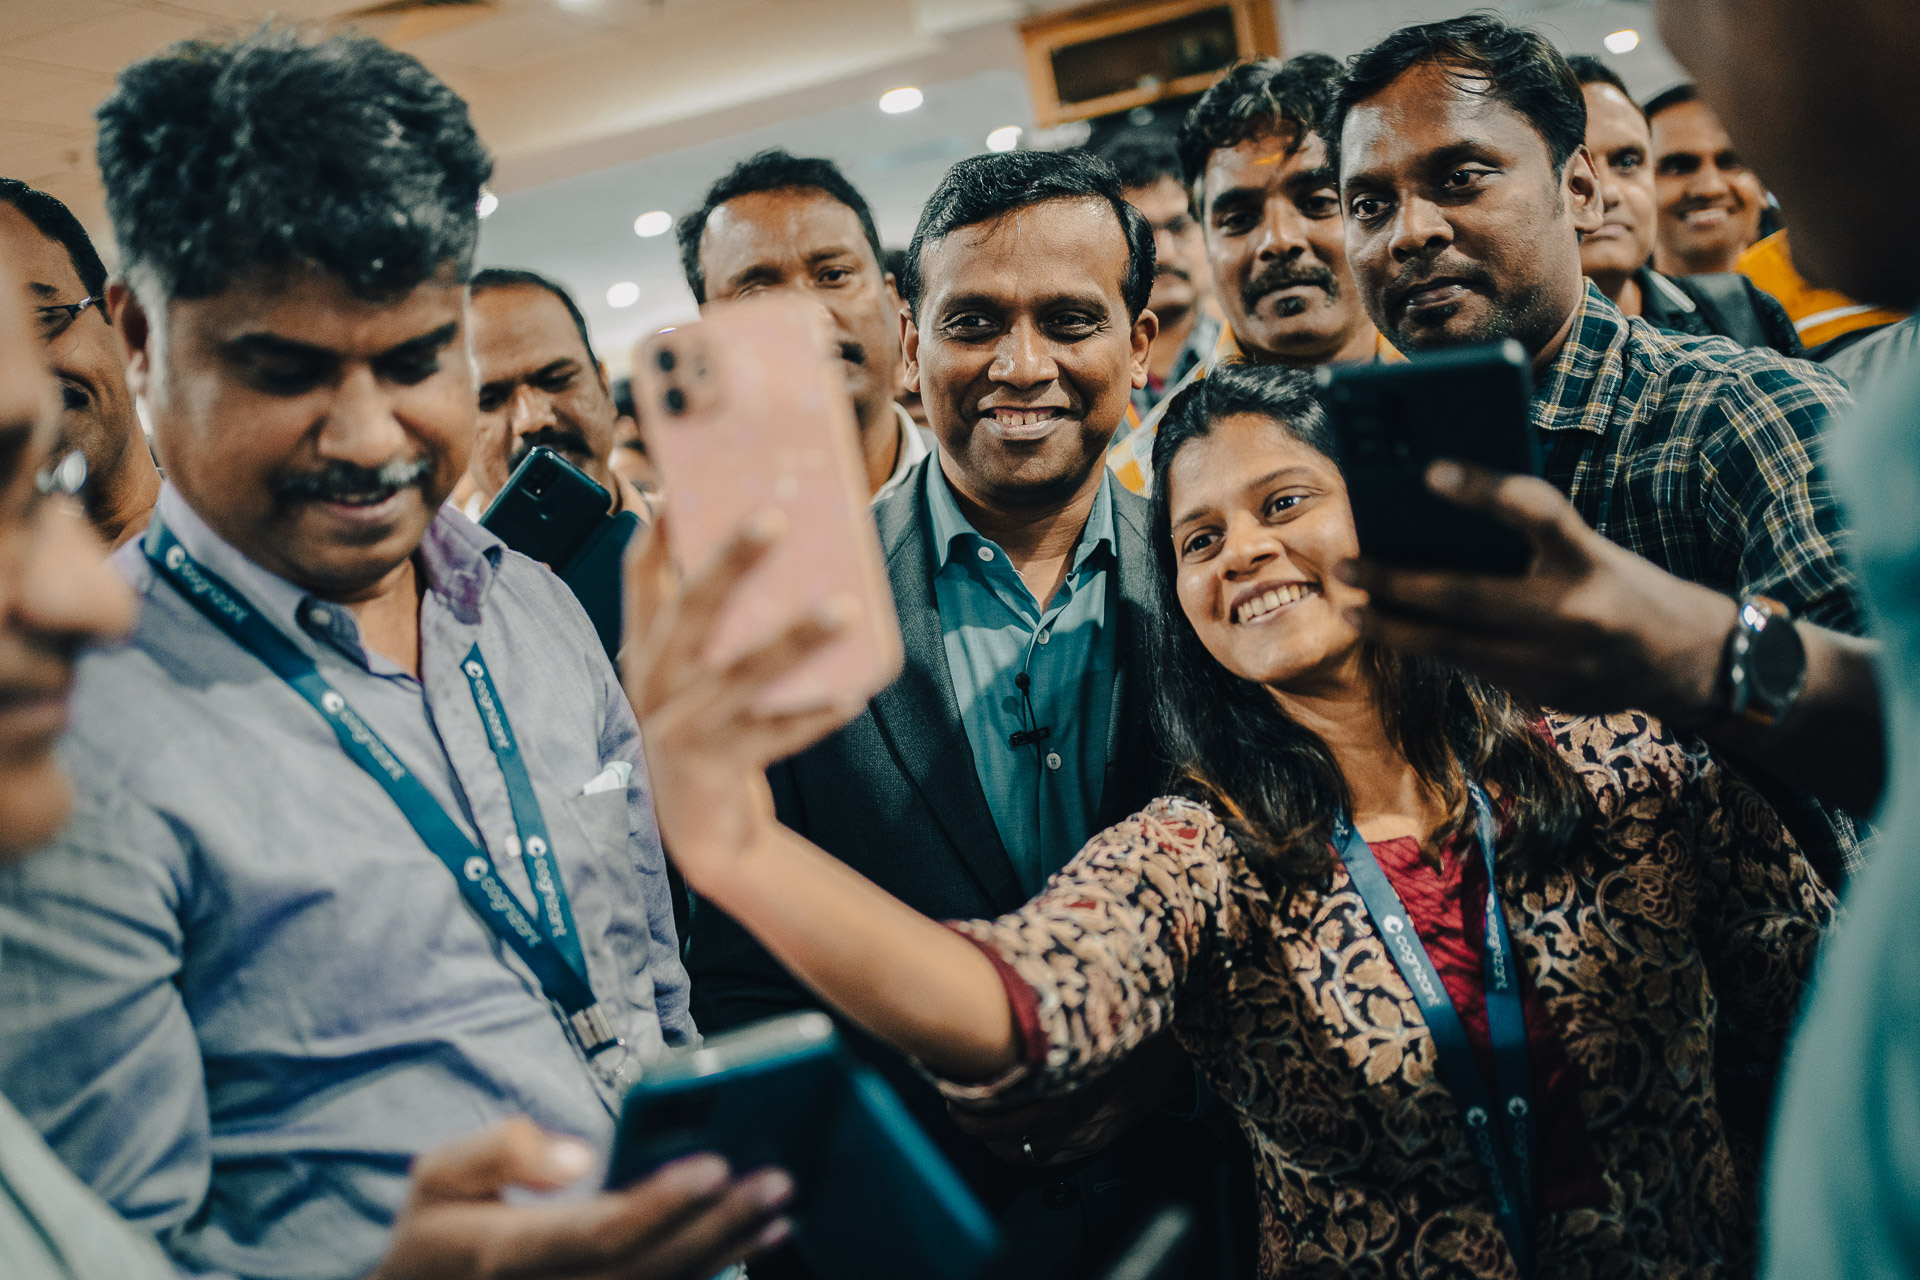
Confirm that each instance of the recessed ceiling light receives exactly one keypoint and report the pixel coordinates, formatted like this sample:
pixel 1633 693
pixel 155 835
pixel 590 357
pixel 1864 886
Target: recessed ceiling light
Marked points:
pixel 894 101
pixel 1625 40
pixel 656 223
pixel 624 294
pixel 1005 138
pixel 488 203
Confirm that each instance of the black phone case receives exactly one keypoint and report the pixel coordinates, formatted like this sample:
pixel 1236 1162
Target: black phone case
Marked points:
pixel 1392 420
pixel 547 509
pixel 874 1199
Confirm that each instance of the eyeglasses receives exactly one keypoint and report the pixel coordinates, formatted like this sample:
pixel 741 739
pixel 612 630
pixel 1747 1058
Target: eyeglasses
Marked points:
pixel 56 319
pixel 63 477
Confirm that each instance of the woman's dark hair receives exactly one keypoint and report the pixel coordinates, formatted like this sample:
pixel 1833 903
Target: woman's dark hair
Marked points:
pixel 1275 784
pixel 1509 64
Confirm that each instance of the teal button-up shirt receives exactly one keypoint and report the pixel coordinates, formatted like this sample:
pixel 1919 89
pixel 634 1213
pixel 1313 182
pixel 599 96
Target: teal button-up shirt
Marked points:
pixel 1044 794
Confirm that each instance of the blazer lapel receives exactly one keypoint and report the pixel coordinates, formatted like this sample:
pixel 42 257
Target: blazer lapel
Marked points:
pixel 1132 772
pixel 917 714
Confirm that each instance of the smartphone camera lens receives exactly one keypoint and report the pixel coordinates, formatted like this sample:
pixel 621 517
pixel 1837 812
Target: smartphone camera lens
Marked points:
pixel 676 400
pixel 664 358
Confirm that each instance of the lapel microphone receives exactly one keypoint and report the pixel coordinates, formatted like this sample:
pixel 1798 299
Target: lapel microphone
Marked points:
pixel 1027 737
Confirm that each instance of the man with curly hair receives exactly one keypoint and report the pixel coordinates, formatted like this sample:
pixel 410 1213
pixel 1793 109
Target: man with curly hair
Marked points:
pixel 362 855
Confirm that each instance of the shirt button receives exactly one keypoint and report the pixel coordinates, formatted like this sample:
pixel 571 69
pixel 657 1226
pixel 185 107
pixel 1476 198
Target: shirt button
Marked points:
pixel 1053 759
pixel 986 553
pixel 318 615
pixel 1045 636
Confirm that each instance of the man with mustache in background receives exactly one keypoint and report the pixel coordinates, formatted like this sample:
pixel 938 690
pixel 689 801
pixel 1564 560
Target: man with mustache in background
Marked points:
pixel 788 224
pixel 540 384
pixel 1270 217
pixel 364 857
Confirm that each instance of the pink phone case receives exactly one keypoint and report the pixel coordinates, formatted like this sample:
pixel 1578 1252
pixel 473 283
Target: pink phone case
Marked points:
pixel 742 411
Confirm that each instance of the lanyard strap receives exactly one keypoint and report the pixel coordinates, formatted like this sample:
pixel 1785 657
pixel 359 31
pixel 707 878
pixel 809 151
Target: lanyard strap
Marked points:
pixel 547 941
pixel 1500 1131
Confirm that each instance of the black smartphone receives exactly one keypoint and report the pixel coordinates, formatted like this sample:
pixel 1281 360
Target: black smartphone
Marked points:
pixel 1392 420
pixel 556 513
pixel 874 1198
pixel 547 509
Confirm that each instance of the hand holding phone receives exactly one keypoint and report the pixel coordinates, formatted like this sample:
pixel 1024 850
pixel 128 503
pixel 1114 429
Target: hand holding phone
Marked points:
pixel 744 415
pixel 1393 421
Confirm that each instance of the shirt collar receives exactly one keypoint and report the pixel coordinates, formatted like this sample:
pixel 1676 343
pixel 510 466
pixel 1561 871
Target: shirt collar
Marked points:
pixel 952 535
pixel 459 559
pixel 1578 391
pixel 913 447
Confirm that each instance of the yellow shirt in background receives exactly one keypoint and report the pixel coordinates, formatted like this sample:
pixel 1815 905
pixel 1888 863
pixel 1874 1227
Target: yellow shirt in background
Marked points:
pixel 1819 315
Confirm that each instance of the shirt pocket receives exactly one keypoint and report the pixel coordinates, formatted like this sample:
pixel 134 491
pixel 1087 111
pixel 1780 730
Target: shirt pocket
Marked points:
pixel 607 821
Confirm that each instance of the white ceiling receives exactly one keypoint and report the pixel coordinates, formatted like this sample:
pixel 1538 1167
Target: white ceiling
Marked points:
pixel 599 110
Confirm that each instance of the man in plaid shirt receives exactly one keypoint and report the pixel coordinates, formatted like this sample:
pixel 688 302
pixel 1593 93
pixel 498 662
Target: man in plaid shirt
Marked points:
pixel 1466 186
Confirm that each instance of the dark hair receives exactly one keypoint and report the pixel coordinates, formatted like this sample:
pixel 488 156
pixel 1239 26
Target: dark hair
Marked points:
pixel 770 170
pixel 1588 69
pixel 1275 784
pixel 1517 66
pixel 1143 158
pixel 269 151
pixel 56 222
pixel 1679 95
pixel 508 277
pixel 984 187
pixel 1254 99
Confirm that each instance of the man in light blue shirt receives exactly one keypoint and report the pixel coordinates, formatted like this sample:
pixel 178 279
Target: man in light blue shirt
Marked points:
pixel 256 976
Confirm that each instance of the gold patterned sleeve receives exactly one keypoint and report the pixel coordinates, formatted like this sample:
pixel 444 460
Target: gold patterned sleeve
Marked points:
pixel 1097 961
pixel 1760 916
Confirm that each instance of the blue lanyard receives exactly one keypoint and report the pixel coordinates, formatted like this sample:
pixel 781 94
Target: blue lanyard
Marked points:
pixel 547 940
pixel 1500 1132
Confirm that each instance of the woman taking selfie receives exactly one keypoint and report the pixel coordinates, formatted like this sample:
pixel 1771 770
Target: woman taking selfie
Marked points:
pixel 1574 1082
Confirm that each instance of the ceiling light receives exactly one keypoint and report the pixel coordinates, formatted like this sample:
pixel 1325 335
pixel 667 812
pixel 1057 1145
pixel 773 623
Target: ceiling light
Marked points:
pixel 652 224
pixel 1005 138
pixel 488 202
pixel 894 101
pixel 1622 41
pixel 624 294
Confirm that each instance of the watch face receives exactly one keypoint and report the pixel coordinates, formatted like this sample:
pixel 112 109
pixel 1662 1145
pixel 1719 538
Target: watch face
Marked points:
pixel 1776 662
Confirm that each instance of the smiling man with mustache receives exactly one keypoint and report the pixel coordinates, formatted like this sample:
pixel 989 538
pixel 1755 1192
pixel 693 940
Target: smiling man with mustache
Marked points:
pixel 1467 186
pixel 1252 150
pixel 284 946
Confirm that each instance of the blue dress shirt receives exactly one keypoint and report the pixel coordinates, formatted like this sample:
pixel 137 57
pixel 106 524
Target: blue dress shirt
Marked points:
pixel 1045 796
pixel 239 993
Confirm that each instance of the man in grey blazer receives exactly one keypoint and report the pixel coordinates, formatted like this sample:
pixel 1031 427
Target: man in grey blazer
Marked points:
pixel 1018 728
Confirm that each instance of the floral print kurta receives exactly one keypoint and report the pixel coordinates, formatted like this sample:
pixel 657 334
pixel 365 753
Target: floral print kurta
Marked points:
pixel 1670 952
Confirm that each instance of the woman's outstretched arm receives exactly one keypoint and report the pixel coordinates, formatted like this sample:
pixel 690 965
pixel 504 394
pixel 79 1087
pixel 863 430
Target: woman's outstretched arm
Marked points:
pixel 905 978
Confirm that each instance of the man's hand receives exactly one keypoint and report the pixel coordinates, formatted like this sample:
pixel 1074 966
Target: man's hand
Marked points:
pixel 689 1221
pixel 1061 1130
pixel 1590 627
pixel 707 744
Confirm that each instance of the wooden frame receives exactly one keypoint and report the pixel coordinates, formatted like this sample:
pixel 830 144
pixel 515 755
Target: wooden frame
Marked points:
pixel 1255 33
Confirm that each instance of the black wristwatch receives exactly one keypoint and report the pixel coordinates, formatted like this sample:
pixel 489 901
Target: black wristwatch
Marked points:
pixel 1764 666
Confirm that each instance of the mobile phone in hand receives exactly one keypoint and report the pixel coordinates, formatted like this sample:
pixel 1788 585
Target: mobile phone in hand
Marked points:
pixel 1392 421
pixel 746 410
